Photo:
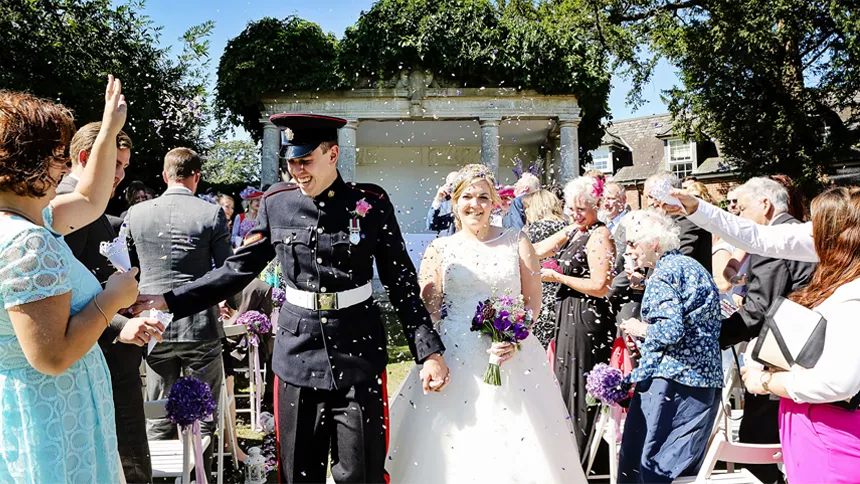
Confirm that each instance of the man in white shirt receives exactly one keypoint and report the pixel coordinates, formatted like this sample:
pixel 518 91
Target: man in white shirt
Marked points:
pixel 614 207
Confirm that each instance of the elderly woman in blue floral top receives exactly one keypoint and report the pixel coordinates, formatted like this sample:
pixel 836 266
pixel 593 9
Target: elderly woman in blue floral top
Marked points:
pixel 679 377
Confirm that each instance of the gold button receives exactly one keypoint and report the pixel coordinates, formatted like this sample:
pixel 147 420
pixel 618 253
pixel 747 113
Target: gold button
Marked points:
pixel 322 289
pixel 323 320
pixel 319 260
pixel 322 204
pixel 330 193
pixel 319 230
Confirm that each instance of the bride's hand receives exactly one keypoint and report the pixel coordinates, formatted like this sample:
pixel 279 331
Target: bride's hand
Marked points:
pixel 505 351
pixel 434 374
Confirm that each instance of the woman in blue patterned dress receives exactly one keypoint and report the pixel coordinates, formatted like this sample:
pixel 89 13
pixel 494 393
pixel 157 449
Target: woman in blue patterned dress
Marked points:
pixel 56 407
pixel 679 377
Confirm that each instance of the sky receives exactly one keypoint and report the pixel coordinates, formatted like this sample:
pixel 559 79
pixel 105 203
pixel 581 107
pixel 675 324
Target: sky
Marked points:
pixel 231 17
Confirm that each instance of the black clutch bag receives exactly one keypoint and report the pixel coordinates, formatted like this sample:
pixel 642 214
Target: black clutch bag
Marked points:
pixel 791 335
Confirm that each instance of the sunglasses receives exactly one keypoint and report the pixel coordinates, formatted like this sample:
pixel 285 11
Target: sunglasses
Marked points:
pixel 733 201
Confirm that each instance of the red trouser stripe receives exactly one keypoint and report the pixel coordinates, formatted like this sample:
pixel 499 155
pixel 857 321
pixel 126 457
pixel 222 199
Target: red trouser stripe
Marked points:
pixel 385 420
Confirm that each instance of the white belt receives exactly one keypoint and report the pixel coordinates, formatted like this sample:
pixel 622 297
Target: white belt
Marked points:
pixel 326 301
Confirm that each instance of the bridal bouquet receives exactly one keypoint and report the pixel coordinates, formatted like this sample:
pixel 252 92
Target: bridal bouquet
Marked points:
pixel 506 320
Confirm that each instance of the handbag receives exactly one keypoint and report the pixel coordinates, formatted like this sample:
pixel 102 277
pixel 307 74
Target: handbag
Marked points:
pixel 791 335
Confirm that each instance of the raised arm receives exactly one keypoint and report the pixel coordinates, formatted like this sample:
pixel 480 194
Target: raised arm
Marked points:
pixel 785 241
pixel 92 193
pixel 601 257
pixel 549 246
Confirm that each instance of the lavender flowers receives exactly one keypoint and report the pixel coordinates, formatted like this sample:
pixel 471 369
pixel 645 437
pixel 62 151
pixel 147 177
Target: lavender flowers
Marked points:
pixel 256 322
pixel 606 384
pixel 189 400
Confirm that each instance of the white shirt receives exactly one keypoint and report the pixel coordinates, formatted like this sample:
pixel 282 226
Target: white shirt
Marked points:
pixel 785 241
pixel 836 376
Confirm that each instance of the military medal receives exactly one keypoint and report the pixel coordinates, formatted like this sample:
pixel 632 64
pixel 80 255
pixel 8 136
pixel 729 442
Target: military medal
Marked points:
pixel 354 231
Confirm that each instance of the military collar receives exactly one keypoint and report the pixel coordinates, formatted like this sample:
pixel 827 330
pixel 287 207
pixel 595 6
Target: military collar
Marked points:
pixel 335 189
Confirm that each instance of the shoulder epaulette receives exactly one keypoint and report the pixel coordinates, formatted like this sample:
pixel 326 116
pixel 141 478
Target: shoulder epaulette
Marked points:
pixel 279 190
pixel 366 191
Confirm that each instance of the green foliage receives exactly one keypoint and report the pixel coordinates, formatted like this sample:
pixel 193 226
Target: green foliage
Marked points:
pixel 64 50
pixel 767 78
pixel 272 56
pixel 463 43
pixel 233 162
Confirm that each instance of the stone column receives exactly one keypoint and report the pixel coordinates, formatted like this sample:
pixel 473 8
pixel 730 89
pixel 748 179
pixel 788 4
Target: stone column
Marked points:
pixel 347 160
pixel 269 166
pixel 569 145
pixel 490 144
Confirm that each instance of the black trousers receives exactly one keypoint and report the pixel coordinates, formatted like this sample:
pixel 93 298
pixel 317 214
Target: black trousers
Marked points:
pixel 349 422
pixel 760 425
pixel 124 365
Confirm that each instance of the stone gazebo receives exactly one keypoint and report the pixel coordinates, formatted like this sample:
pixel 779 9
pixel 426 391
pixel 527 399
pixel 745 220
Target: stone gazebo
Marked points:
pixel 407 138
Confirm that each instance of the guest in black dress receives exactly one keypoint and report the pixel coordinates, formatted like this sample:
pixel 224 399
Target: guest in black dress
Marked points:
pixel 585 326
pixel 544 217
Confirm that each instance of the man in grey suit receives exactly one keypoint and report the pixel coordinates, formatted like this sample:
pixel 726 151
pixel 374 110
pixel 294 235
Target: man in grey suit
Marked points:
pixel 177 237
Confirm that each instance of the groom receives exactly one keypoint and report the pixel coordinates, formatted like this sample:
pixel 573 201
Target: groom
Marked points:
pixel 330 346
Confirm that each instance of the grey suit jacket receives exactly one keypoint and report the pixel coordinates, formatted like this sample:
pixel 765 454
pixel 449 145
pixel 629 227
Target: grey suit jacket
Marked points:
pixel 176 238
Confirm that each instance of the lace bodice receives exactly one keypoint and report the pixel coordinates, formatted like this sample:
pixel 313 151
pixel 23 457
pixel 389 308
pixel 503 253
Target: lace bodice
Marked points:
pixel 472 271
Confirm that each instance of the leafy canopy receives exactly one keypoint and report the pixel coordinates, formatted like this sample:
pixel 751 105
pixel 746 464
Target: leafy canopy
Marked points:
pixel 64 50
pixel 234 162
pixel 272 56
pixel 768 78
pixel 463 43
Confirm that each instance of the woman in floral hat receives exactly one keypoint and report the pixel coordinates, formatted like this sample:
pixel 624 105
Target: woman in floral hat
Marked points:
pixel 244 222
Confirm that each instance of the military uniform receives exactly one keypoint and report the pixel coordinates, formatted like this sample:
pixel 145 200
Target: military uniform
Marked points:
pixel 330 347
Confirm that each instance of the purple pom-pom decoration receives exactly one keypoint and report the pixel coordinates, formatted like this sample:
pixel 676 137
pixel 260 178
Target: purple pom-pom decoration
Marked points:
pixel 256 322
pixel 189 400
pixel 606 384
pixel 279 297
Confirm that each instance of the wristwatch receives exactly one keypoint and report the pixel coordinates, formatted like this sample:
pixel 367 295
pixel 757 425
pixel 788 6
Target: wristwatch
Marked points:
pixel 765 381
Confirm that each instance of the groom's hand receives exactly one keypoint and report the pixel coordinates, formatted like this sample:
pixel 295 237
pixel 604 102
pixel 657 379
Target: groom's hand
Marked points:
pixel 435 374
pixel 147 301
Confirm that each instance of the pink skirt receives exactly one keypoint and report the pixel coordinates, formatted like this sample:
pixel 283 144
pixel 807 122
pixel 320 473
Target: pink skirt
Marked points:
pixel 820 443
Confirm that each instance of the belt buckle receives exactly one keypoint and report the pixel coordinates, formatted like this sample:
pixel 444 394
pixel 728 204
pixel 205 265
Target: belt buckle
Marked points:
pixel 326 302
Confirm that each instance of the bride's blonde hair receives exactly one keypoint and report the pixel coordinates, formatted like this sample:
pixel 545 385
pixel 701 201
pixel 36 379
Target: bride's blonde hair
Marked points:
pixel 466 177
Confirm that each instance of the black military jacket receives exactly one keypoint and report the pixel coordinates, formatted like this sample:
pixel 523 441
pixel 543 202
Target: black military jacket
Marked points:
pixel 324 349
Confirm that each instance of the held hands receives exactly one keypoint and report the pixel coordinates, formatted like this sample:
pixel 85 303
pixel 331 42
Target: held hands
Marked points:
pixel 121 288
pixel 115 106
pixel 435 374
pixel 146 302
pixel 505 351
pixel 138 331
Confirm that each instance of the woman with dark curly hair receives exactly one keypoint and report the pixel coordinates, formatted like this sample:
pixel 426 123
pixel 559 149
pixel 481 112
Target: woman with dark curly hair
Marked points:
pixel 57 417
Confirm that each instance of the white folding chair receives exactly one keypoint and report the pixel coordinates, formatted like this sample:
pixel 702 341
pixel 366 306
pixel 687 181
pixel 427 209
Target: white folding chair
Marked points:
pixel 171 458
pixel 723 447
pixel 225 423
pixel 609 428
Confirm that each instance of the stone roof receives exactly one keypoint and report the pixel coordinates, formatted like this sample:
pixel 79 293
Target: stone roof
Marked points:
pixel 641 136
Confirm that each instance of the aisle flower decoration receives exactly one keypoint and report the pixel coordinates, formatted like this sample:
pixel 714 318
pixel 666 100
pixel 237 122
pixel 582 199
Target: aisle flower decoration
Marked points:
pixel 257 325
pixel 506 320
pixel 606 385
pixel 188 402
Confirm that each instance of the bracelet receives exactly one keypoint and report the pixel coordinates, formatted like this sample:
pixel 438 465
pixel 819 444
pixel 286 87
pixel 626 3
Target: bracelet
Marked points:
pixel 96 300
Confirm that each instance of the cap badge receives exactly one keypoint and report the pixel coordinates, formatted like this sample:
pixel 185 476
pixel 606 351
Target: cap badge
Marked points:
pixel 288 133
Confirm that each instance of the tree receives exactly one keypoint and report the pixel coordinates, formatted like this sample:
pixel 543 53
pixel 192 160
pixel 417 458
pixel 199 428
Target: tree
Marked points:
pixel 234 162
pixel 64 50
pixel 272 56
pixel 768 78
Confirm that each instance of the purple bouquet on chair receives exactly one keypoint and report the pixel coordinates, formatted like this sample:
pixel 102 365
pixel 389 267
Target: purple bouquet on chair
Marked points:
pixel 506 320
pixel 606 384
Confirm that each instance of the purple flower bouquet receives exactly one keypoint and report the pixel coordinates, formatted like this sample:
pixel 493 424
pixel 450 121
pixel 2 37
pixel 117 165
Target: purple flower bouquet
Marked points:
pixel 256 323
pixel 505 320
pixel 606 384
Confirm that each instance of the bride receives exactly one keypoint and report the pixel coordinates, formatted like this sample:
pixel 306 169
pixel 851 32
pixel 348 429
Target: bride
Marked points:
pixel 467 430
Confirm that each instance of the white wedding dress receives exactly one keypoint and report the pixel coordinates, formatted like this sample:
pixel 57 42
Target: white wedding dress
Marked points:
pixel 519 432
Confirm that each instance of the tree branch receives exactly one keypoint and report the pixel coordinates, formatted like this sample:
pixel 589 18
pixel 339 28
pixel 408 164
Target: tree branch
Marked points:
pixel 669 7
